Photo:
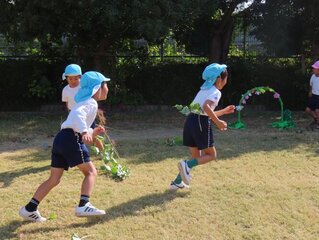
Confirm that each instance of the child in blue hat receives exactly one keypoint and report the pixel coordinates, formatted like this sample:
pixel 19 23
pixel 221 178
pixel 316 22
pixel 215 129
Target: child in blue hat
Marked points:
pixel 72 74
pixel 69 148
pixel 197 133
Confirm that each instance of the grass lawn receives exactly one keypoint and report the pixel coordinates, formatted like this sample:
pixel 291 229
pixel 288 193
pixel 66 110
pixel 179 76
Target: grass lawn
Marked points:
pixel 265 184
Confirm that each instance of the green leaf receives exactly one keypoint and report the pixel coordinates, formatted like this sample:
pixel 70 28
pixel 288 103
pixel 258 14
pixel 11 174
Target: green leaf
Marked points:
pixel 185 111
pixel 95 150
pixel 101 138
pixel 52 216
pixel 178 107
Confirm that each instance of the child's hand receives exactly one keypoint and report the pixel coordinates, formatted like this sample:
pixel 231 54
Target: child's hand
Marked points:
pixel 221 125
pixel 87 138
pixel 230 109
pixel 98 130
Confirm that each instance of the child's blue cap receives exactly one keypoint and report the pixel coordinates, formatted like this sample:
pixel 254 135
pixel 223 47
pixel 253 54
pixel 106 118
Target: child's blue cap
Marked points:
pixel 72 70
pixel 211 73
pixel 89 85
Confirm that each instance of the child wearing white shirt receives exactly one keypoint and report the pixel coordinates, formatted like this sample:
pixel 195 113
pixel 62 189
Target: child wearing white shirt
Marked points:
pixel 198 134
pixel 69 148
pixel 72 74
pixel 312 107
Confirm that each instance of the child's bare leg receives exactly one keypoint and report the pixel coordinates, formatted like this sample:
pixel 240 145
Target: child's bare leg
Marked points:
pixel 85 208
pixel 311 113
pixel 41 192
pixel 89 171
pixel 210 154
pixel 46 187
pixel 195 152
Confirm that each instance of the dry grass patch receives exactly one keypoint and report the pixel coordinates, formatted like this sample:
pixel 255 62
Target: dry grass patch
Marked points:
pixel 264 186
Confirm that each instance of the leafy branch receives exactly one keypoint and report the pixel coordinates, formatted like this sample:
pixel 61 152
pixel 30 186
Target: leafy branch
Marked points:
pixel 111 166
pixel 192 108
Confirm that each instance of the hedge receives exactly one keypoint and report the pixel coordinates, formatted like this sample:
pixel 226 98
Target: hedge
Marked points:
pixel 28 84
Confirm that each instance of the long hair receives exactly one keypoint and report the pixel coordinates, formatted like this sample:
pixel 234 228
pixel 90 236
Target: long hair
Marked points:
pixel 100 117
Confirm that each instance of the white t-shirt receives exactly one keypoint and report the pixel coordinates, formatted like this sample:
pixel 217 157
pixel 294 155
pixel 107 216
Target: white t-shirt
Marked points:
pixel 82 116
pixel 212 94
pixel 68 95
pixel 314 83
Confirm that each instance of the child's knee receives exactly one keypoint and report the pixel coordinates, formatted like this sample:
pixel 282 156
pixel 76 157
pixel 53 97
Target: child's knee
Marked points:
pixel 91 173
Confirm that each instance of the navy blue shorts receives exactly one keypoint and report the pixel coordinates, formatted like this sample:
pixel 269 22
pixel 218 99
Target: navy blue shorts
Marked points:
pixel 198 132
pixel 68 150
pixel 313 102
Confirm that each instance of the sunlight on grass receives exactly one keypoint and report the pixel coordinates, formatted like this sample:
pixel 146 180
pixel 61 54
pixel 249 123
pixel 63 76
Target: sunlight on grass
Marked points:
pixel 264 186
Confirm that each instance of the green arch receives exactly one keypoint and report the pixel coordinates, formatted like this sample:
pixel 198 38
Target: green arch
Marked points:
pixel 285 119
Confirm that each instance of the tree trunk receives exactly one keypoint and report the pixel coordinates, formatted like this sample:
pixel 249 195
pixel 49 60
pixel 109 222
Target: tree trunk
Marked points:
pixel 221 39
pixel 222 32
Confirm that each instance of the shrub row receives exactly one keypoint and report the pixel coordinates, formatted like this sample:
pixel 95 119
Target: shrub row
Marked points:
pixel 28 84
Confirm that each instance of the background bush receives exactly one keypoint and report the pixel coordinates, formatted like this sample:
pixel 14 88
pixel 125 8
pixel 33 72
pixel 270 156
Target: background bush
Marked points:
pixel 27 84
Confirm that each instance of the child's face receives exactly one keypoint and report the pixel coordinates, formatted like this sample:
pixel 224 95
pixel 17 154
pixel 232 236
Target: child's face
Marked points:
pixel 220 83
pixel 73 81
pixel 316 71
pixel 101 94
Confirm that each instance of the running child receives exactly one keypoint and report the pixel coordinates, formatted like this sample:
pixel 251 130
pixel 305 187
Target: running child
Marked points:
pixel 69 148
pixel 197 133
pixel 72 74
pixel 312 107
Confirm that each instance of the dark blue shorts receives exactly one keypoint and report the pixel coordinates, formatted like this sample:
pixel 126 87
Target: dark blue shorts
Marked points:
pixel 68 150
pixel 313 102
pixel 198 132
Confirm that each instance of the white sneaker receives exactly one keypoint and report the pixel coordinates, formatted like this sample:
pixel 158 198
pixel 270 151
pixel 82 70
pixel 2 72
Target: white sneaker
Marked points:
pixel 184 172
pixel 88 210
pixel 34 216
pixel 174 186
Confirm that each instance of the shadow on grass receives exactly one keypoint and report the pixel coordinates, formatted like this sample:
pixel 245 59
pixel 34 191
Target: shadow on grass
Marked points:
pixel 130 208
pixel 229 145
pixel 6 178
pixel 9 231
pixel 133 207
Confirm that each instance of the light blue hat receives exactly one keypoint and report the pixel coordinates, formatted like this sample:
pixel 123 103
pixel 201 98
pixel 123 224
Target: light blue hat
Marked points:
pixel 211 73
pixel 89 85
pixel 72 70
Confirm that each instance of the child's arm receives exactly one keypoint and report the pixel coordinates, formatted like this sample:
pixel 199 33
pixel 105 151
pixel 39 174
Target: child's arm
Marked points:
pixel 221 125
pixel 67 107
pixel 227 110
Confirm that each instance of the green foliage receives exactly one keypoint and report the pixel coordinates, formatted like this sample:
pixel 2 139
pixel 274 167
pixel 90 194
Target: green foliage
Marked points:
pixel 111 166
pixel 166 83
pixel 174 141
pixel 52 216
pixel 93 27
pixel 40 88
pixel 287 27
pixel 191 108
pixel 26 84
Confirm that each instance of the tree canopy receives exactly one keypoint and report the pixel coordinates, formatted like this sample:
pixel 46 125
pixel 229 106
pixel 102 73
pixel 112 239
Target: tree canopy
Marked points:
pixel 95 28
pixel 287 27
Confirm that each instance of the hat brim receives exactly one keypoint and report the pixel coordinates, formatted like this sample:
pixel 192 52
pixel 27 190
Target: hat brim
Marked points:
pixel 70 75
pixel 95 89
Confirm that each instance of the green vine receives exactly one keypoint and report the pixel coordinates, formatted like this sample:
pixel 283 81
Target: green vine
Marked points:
pixel 192 108
pixel 111 166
